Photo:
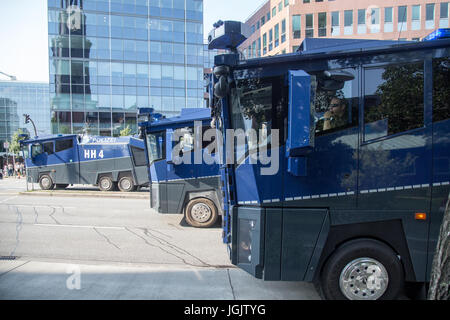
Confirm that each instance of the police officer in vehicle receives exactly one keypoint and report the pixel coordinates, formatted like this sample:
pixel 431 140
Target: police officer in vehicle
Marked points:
pixel 336 116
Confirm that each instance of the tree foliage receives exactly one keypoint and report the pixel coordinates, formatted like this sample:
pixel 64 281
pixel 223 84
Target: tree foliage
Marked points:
pixel 126 132
pixel 14 146
pixel 399 98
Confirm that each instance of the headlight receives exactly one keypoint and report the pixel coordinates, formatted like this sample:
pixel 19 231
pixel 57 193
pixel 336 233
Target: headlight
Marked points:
pixel 245 240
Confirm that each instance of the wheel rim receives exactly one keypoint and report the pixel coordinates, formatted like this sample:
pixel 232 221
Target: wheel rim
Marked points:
pixel 364 279
pixel 105 184
pixel 201 212
pixel 125 184
pixel 46 182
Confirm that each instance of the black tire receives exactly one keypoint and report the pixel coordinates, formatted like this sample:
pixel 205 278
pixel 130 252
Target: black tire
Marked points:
pixel 352 254
pixel 105 183
pixel 126 184
pixel 201 213
pixel 61 186
pixel 46 182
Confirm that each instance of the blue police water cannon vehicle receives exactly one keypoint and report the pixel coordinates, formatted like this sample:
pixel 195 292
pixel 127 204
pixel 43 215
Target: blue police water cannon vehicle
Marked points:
pixel 183 173
pixel 358 134
pixel 57 161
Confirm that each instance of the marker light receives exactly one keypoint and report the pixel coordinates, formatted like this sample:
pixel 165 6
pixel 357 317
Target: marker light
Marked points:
pixel 421 216
pixel 438 34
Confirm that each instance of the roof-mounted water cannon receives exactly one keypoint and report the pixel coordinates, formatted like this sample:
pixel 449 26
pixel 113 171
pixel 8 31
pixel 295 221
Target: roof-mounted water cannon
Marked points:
pixel 148 115
pixel 228 35
pixel 145 117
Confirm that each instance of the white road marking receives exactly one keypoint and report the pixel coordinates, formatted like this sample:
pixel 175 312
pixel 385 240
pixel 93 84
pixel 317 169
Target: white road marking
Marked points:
pixel 7 199
pixel 35 206
pixel 76 226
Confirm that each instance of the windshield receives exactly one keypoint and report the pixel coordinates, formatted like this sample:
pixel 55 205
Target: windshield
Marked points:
pixel 257 107
pixel 36 149
pixel 155 146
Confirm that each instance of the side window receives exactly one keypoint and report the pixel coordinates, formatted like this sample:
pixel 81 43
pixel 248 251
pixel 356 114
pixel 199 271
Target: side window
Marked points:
pixel 186 139
pixel 337 100
pixel 48 147
pixel 441 92
pixel 61 145
pixel 138 156
pixel 393 99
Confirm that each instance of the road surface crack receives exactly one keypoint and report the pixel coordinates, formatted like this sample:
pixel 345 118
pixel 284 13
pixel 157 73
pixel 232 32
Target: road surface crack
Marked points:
pixel 19 222
pixel 231 285
pixel 172 246
pixel 167 251
pixel 51 215
pixel 106 238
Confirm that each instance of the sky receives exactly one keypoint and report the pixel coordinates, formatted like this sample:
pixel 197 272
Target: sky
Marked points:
pixel 24 33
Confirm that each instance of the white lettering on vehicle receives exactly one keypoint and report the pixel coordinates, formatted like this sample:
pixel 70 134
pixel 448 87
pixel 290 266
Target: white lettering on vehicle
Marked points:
pixel 92 154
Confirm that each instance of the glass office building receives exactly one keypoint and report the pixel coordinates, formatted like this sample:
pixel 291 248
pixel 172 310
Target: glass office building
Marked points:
pixel 110 57
pixel 18 98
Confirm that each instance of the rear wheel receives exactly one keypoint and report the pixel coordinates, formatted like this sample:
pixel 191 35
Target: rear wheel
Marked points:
pixel 126 184
pixel 46 182
pixel 363 270
pixel 105 183
pixel 201 213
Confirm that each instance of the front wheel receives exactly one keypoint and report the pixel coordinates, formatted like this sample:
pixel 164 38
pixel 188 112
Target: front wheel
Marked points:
pixel 201 213
pixel 363 270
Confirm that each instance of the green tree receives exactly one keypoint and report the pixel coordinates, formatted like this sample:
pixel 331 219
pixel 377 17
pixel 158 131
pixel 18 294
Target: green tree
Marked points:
pixel 126 132
pixel 14 146
pixel 64 129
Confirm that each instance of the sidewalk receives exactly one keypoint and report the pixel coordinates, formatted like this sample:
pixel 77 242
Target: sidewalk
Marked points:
pixel 42 280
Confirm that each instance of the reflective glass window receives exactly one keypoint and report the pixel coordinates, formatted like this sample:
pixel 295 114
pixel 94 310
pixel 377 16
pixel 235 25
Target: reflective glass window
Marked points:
pixel 393 99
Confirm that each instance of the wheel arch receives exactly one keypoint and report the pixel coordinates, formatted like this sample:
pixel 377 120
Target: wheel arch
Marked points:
pixel 126 173
pixel 389 233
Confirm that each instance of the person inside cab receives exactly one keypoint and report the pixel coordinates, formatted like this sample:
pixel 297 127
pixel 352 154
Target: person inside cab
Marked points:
pixel 336 116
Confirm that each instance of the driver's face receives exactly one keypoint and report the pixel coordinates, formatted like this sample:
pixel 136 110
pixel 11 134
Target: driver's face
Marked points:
pixel 336 106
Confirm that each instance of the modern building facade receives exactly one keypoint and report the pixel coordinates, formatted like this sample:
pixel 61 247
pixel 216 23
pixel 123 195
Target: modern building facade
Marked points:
pixel 18 98
pixel 279 26
pixel 110 57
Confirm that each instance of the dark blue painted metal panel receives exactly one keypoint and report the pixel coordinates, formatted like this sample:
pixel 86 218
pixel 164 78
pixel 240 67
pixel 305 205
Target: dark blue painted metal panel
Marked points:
pixel 301 228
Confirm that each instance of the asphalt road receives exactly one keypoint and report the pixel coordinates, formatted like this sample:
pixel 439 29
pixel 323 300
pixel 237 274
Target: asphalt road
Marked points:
pixel 105 248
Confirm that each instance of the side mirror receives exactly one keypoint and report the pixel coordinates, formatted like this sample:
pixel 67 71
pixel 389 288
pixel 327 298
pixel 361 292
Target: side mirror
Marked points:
pixel 301 124
pixel 300 140
pixel 169 146
pixel 141 133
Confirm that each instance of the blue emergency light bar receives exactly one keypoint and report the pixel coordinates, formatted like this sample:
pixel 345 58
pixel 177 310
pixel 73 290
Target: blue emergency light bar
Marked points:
pixel 438 34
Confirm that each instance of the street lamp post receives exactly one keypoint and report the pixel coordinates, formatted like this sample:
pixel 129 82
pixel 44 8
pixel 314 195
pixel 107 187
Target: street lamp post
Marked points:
pixel 13 78
pixel 28 120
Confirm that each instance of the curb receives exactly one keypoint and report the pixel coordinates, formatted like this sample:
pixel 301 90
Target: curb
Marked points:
pixel 85 194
